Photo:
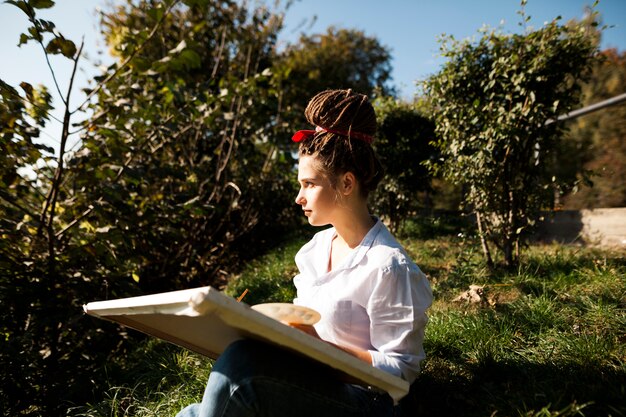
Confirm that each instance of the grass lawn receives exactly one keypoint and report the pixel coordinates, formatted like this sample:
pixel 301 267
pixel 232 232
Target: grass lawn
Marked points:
pixel 548 339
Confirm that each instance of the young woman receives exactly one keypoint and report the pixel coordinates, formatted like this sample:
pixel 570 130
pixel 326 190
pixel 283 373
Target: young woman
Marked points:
pixel 371 296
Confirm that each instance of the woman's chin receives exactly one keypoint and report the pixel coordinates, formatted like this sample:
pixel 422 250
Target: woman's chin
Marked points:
pixel 314 222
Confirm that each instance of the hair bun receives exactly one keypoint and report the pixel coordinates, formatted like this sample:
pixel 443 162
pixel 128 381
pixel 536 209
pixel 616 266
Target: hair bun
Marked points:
pixel 342 110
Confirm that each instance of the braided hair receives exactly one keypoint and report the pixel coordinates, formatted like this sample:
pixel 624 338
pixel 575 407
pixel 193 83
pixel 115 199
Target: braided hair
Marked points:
pixel 343 111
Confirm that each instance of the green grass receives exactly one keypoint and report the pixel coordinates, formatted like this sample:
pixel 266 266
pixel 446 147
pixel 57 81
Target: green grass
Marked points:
pixel 548 340
pixel 165 378
pixel 268 278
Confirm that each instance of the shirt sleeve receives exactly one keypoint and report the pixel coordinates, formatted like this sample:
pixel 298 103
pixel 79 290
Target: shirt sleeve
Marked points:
pixel 397 309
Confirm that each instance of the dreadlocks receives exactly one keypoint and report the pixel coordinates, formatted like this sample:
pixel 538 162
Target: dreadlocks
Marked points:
pixel 344 112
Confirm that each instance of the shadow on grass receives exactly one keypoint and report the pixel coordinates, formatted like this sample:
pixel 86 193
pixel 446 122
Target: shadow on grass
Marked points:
pixel 516 389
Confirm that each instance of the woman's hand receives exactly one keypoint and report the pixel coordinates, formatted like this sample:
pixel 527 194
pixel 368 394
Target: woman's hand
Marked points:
pixel 306 328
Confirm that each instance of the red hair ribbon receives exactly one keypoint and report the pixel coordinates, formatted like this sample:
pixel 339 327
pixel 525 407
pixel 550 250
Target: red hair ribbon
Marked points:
pixel 300 135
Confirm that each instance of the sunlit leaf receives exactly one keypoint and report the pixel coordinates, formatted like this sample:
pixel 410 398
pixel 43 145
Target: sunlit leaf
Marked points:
pixel 22 4
pixel 41 4
pixel 61 46
pixel 28 89
pixel 24 38
pixel 34 33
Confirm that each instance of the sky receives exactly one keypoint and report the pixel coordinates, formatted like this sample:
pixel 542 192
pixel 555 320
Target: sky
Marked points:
pixel 408 28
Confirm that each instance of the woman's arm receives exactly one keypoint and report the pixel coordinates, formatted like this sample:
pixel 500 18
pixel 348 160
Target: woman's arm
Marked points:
pixel 363 355
pixel 397 311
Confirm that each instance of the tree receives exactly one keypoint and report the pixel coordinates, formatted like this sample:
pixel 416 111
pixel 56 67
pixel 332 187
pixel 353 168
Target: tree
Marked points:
pixel 403 143
pixel 339 58
pixel 181 144
pixel 35 291
pixel 492 101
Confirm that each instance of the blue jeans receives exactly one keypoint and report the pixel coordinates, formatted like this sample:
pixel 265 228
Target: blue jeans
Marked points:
pixel 255 379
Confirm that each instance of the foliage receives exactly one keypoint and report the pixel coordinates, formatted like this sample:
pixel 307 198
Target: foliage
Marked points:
pixel 19 149
pixel 339 58
pixel 41 351
pixel 403 143
pixel 177 167
pixel 493 100
pixel 596 141
pixel 180 152
pixel 558 320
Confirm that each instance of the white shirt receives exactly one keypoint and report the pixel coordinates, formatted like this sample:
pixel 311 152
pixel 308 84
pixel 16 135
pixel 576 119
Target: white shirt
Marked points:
pixel 375 300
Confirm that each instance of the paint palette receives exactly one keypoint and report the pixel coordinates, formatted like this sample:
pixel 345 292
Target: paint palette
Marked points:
pixel 288 313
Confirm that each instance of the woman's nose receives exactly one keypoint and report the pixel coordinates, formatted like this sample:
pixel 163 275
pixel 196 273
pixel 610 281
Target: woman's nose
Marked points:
pixel 300 198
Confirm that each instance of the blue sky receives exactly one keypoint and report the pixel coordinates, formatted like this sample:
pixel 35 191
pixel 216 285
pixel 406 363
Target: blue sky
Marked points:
pixel 409 28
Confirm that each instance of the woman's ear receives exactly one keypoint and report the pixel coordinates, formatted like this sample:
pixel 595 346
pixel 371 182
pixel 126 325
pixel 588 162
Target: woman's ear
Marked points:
pixel 347 183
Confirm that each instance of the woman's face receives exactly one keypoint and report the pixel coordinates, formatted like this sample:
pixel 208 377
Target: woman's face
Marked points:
pixel 317 196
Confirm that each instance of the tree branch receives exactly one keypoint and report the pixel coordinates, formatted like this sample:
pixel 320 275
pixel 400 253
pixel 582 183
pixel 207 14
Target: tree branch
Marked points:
pixel 483 240
pixel 45 53
pixel 56 183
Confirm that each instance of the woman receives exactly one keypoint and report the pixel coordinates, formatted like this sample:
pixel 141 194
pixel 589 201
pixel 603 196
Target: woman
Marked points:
pixel 371 296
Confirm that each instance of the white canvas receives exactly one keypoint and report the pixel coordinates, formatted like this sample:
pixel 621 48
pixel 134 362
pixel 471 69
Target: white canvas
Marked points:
pixel 207 321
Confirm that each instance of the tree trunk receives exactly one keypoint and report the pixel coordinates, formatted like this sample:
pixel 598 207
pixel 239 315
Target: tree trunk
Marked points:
pixel 508 251
pixel 483 241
